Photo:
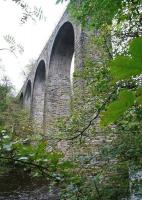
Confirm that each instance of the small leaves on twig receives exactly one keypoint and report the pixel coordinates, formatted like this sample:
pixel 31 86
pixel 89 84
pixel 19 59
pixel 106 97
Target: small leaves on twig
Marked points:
pixel 13 46
pixel 29 12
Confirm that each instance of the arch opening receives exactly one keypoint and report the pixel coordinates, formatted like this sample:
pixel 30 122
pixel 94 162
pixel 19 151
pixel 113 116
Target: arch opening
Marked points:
pixel 27 96
pixel 59 76
pixel 21 98
pixel 38 95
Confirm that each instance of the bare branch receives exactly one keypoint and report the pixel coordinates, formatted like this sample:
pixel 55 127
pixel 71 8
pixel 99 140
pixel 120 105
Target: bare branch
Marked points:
pixel 82 132
pixel 6 49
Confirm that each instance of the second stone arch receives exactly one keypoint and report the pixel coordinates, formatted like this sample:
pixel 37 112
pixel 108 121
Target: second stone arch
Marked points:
pixel 38 95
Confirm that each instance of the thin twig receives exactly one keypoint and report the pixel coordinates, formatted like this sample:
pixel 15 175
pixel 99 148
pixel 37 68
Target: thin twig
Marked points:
pixel 6 49
pixel 81 132
pixel 41 168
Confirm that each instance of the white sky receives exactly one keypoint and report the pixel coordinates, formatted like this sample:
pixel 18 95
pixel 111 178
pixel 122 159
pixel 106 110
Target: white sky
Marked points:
pixel 32 36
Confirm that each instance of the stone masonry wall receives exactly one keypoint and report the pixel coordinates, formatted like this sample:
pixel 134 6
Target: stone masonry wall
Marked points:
pixel 50 95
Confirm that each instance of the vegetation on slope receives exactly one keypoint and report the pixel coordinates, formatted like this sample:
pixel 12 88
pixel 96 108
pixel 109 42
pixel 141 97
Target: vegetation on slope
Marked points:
pixel 104 130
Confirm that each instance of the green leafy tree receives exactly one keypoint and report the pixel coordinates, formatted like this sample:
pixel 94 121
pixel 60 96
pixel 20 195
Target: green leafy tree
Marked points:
pixel 103 132
pixel 109 154
pixel 125 71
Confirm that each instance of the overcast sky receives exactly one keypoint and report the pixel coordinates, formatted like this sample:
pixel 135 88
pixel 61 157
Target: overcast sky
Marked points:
pixel 32 36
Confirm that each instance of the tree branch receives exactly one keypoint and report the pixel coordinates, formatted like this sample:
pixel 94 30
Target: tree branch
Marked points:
pixel 40 167
pixel 81 132
pixel 6 49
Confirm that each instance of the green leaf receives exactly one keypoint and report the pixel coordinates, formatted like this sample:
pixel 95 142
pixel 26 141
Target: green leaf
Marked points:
pixel 123 67
pixel 54 157
pixel 116 109
pixel 136 49
pixel 67 165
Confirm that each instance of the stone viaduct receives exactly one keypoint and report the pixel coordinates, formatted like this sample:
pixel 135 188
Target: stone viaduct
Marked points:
pixel 47 90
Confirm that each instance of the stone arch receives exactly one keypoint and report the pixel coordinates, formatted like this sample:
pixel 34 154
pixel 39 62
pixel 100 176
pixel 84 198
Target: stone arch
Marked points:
pixel 27 95
pixel 59 79
pixel 38 94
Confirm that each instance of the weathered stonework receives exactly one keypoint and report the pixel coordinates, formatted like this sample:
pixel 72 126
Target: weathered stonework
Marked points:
pixel 47 90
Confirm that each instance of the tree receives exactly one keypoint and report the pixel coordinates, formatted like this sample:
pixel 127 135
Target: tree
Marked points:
pixel 112 94
pixel 103 131
pixel 28 68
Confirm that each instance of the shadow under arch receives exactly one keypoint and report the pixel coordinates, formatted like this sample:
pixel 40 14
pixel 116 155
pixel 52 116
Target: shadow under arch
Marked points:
pixel 38 95
pixel 59 78
pixel 21 98
pixel 27 96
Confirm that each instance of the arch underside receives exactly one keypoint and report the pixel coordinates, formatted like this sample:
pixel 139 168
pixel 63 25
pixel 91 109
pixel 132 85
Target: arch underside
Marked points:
pixel 27 96
pixel 21 98
pixel 53 102
pixel 59 83
pixel 38 95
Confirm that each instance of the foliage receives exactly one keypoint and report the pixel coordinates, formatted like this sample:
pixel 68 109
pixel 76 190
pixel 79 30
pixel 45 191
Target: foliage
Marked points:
pixel 22 148
pixel 35 13
pixel 28 68
pixel 20 152
pixel 103 162
pixel 5 88
pixel 9 104
pixel 124 67
pixel 118 107
pixel 109 157
pixel 13 45
pixel 122 19
pixel 94 12
pixel 108 168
